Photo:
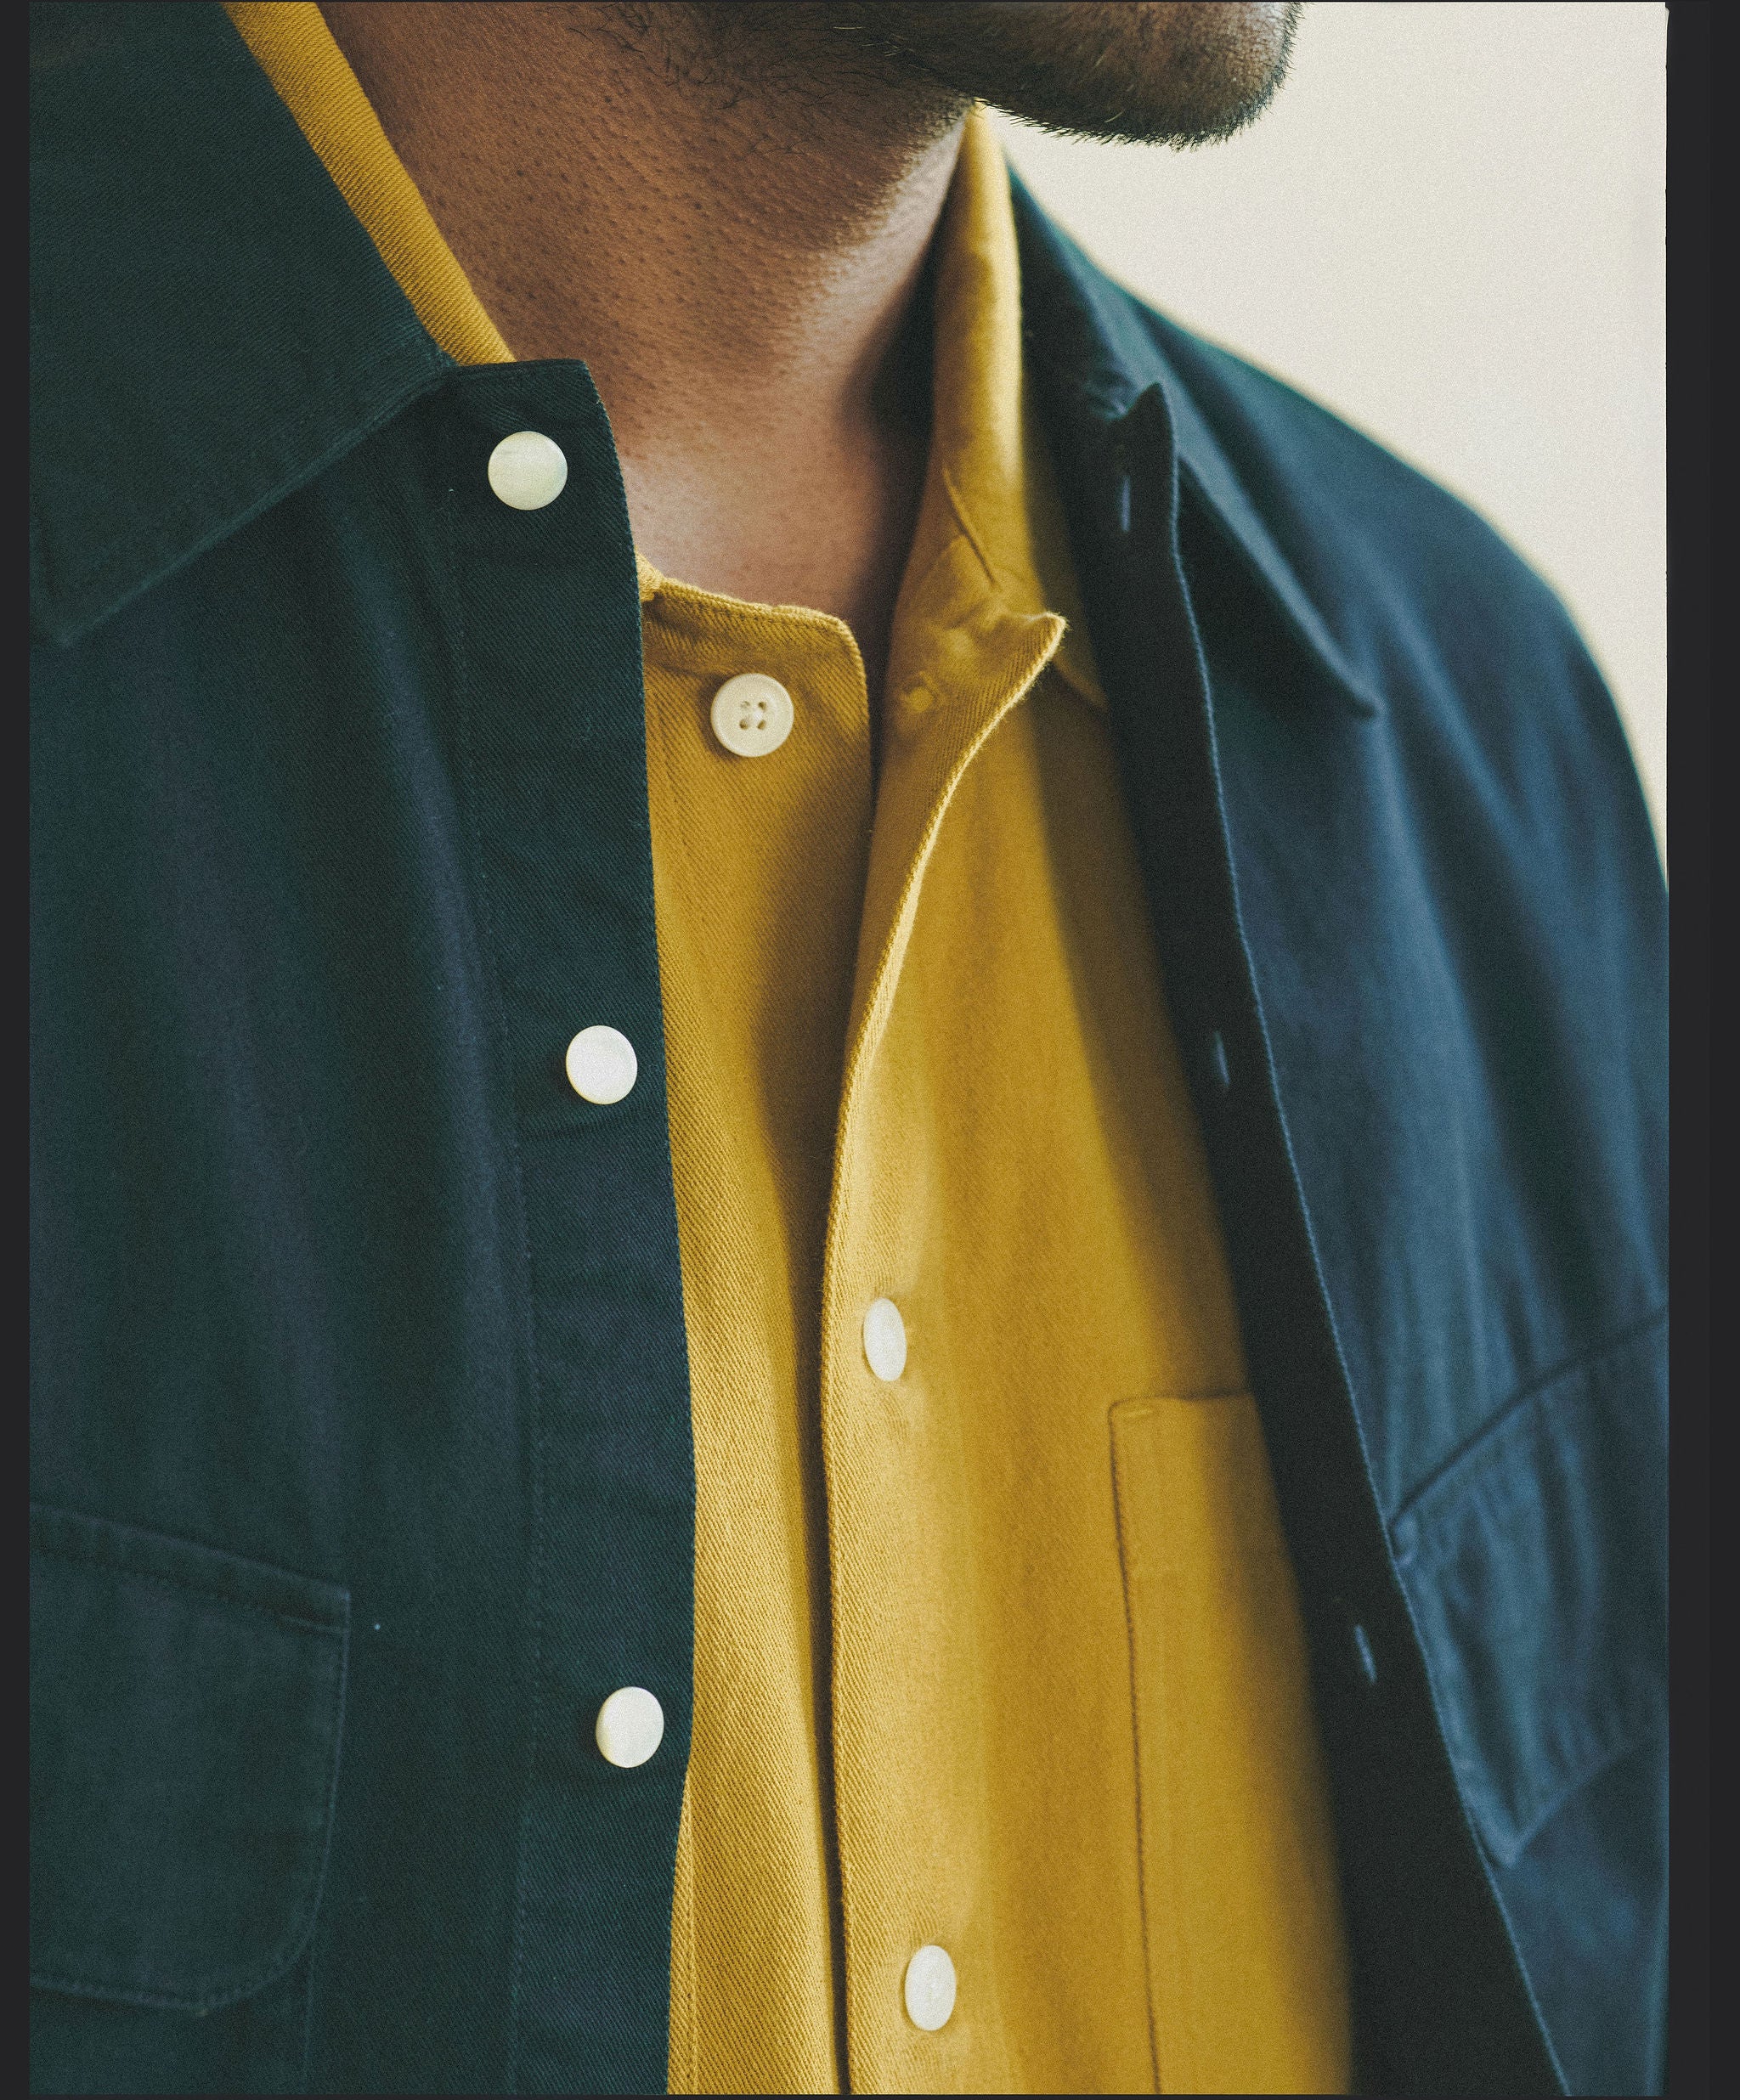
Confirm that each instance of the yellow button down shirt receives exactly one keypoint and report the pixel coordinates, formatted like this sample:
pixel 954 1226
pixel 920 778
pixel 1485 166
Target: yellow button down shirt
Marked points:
pixel 1001 1654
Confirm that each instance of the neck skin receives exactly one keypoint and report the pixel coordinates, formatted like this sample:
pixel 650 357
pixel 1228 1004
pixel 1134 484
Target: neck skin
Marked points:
pixel 731 227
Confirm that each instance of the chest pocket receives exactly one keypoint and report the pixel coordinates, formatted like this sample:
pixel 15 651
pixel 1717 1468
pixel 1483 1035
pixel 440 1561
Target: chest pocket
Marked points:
pixel 1537 1568
pixel 1247 1979
pixel 185 1714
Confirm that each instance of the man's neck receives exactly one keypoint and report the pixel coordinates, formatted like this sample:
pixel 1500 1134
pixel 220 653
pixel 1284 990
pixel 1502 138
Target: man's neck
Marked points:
pixel 730 229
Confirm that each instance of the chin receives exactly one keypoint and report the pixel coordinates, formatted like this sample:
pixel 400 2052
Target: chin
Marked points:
pixel 1179 72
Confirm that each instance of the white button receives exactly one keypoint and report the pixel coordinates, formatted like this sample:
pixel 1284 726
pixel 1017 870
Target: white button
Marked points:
pixel 752 715
pixel 601 1064
pixel 885 1339
pixel 930 1988
pixel 528 470
pixel 630 1728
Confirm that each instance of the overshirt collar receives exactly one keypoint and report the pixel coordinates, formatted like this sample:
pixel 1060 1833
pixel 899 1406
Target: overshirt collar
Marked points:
pixel 1096 352
pixel 212 326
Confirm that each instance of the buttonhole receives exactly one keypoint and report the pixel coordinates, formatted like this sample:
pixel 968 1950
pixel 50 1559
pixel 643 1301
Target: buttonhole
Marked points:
pixel 1218 1070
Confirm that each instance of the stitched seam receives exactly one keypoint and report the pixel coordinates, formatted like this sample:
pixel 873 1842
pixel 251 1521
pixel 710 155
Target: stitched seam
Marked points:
pixel 1627 1726
pixel 1517 1401
pixel 198 1589
pixel 306 2054
pixel 971 534
pixel 1143 1839
pixel 92 568
pixel 296 1935
pixel 536 1605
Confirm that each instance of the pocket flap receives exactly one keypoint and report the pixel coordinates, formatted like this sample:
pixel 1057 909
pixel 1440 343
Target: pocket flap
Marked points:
pixel 1537 1569
pixel 185 1712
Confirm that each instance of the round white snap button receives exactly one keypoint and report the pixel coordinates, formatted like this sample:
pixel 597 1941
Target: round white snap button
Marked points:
pixel 885 1339
pixel 630 1728
pixel 752 715
pixel 930 1988
pixel 601 1064
pixel 528 470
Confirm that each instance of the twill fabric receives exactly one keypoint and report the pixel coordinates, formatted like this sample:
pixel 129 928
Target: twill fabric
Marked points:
pixel 362 1460
pixel 918 1051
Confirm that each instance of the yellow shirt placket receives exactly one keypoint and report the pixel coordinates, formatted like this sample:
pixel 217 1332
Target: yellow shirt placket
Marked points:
pixel 910 1720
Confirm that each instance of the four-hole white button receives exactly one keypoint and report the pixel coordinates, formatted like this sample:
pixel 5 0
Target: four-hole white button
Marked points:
pixel 528 470
pixel 885 1339
pixel 630 1728
pixel 752 715
pixel 601 1064
pixel 930 1988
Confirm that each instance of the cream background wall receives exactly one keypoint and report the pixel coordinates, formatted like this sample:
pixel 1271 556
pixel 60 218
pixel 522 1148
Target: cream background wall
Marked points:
pixel 1449 228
